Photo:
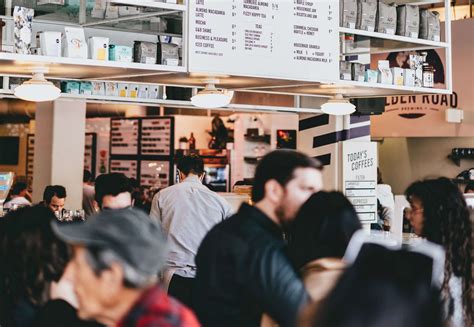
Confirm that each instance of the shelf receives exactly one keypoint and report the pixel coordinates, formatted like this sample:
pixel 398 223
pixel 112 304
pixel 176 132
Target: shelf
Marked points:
pixel 149 4
pixel 263 138
pixel 417 3
pixel 252 160
pixel 382 43
pixel 12 64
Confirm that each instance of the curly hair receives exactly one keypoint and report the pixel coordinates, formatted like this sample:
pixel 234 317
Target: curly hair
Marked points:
pixel 447 222
pixel 32 256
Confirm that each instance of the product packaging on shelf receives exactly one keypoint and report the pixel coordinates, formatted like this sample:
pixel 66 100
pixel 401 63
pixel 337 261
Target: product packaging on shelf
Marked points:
pixel 74 43
pixel 345 69
pixel 397 75
pixel 99 48
pixel 416 63
pixel 428 75
pixel 50 2
pixel 111 12
pixel 358 72
pixel 168 54
pixel 408 21
pixel 143 91
pixel 70 87
pixel 111 89
pixel 366 15
pixel 99 9
pixel 145 52
pixel 22 18
pixel 98 88
pixel 49 43
pixel 133 90
pixel 348 13
pixel 128 11
pixel 430 26
pixel 154 92
pixel 371 76
pixel 386 18
pixel 120 53
pixel 86 88
pixel 123 90
pixel 409 77
pixel 385 74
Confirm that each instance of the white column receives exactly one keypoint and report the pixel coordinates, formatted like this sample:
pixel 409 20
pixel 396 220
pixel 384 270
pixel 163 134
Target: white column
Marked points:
pixel 321 136
pixel 59 148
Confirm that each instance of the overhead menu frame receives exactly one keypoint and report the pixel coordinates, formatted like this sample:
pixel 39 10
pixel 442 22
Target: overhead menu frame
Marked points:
pixel 293 40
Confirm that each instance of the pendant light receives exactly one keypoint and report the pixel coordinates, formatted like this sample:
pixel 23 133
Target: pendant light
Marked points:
pixel 338 106
pixel 211 97
pixel 37 89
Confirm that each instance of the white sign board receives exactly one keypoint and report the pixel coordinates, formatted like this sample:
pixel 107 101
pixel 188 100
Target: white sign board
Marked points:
pixel 156 136
pixel 287 39
pixel 359 164
pixel 126 167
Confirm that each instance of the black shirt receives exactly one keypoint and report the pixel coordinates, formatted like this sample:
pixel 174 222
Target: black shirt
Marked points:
pixel 242 272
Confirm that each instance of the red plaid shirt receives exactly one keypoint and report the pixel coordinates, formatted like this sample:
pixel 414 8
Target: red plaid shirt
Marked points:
pixel 156 309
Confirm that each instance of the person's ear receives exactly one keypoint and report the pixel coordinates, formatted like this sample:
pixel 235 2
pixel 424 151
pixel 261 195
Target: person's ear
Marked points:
pixel 112 280
pixel 273 191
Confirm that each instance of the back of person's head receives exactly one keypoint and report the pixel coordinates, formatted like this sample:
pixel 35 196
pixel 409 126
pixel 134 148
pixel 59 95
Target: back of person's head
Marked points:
pixel 279 165
pixel 191 164
pixel 53 190
pixel 86 176
pixel 382 288
pixel 323 228
pixel 111 184
pixel 32 256
pixel 18 187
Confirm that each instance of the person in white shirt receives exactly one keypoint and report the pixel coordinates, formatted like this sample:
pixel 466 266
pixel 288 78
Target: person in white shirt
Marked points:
pixel 19 196
pixel 187 211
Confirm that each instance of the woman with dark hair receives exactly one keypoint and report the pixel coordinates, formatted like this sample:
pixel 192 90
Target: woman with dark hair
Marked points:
pixel 439 213
pixel 33 261
pixel 319 238
pixel 32 258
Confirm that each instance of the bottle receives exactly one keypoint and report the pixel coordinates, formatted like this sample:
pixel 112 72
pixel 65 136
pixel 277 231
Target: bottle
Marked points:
pixel 192 142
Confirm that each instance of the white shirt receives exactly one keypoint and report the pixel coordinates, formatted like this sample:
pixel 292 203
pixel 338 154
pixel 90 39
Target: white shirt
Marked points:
pixel 187 211
pixel 19 200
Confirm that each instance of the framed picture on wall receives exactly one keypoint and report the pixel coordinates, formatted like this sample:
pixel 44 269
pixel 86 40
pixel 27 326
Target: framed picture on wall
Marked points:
pixel 286 139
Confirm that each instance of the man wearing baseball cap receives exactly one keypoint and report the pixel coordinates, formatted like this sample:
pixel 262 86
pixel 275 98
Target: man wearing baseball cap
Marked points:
pixel 117 257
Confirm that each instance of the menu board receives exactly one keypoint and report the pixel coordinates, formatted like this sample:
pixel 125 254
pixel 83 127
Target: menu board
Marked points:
pixel 89 152
pixel 155 173
pixel 30 154
pixel 124 137
pixel 294 39
pixel 126 167
pixel 360 178
pixel 156 136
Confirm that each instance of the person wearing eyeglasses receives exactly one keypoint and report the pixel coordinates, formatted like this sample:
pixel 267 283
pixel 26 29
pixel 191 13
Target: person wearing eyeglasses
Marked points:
pixel 438 212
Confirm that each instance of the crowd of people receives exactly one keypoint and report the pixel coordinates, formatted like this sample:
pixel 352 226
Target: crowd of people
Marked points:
pixel 297 256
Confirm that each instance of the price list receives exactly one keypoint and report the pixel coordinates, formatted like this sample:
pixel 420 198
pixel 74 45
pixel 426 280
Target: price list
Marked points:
pixel 156 137
pixel 295 39
pixel 124 137
pixel 126 167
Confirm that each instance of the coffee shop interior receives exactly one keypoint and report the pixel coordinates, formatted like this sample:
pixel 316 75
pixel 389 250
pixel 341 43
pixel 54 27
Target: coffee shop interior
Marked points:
pixel 128 104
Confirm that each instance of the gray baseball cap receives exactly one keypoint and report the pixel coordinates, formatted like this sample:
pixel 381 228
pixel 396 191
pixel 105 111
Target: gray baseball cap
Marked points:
pixel 129 233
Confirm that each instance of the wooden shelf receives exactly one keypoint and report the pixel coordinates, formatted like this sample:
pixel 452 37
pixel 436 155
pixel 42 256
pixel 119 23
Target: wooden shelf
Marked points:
pixel 262 138
pixel 12 64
